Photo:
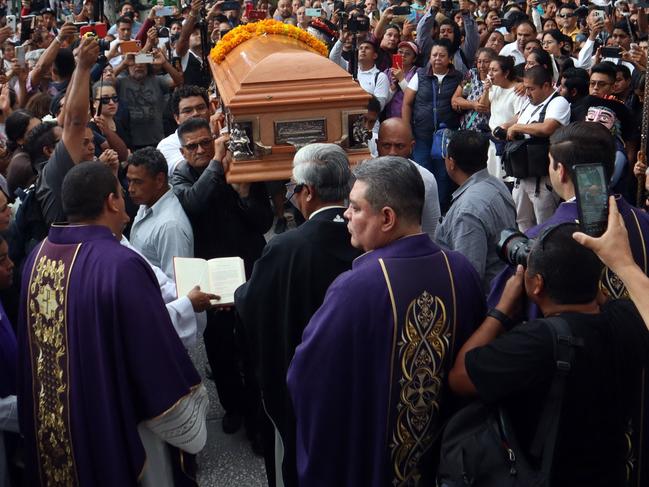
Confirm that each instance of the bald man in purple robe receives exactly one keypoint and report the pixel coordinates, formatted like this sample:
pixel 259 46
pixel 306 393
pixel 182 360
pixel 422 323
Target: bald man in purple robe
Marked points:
pixel 369 380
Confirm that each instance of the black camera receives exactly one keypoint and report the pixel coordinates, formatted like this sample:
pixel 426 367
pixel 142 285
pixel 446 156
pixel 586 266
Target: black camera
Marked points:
pixel 358 23
pixel 514 247
pixel 500 133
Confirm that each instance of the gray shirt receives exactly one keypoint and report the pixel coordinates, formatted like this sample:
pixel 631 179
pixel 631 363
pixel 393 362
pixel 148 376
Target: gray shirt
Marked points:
pixel 480 209
pixel 163 232
pixel 431 212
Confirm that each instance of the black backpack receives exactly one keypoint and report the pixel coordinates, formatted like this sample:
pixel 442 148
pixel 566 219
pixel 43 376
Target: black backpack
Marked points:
pixel 29 227
pixel 479 447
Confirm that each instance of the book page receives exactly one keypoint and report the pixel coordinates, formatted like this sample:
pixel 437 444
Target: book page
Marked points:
pixel 189 273
pixel 226 275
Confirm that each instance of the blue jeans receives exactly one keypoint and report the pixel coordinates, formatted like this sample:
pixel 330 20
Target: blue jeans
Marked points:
pixel 445 185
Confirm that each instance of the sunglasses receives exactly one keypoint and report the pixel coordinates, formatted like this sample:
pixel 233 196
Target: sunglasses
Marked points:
pixel 565 16
pixel 205 144
pixel 292 189
pixel 105 100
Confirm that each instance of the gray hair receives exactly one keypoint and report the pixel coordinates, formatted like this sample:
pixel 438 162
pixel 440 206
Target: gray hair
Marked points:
pixel 394 182
pixel 326 168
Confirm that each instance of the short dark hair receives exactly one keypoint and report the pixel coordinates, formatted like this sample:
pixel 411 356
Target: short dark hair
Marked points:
pixel 394 182
pixel 64 63
pixel 16 127
pixel 626 72
pixel 445 43
pixel 624 27
pixel 569 5
pixel 192 125
pixel 553 253
pixel 583 143
pixel 124 20
pixel 374 105
pixel 469 149
pixel 152 160
pixel 524 20
pixel 576 79
pixel 506 64
pixel 187 91
pixel 37 139
pixel 605 68
pixel 371 43
pixel 85 189
pixel 538 75
pixel 457 34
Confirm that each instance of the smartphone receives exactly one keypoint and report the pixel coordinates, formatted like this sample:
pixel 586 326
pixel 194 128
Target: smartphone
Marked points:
pixel 144 58
pixel 164 12
pixel 128 47
pixel 11 22
pixel 26 27
pixel 599 15
pixel 99 29
pixel 313 12
pixel 230 5
pixel 20 55
pixel 257 15
pixel 397 61
pixel 591 187
pixel 68 19
pixel 401 11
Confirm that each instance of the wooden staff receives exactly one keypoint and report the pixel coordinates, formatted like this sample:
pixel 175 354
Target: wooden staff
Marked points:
pixel 643 137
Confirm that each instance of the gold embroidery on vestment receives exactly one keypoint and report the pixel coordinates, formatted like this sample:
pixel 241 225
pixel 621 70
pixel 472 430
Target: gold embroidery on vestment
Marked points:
pixel 49 355
pixel 423 349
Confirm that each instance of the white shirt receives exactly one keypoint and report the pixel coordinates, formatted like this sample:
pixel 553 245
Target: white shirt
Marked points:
pixel 163 232
pixel 413 84
pixel 375 83
pixel 505 103
pixel 170 148
pixel 511 49
pixel 430 213
pixel 558 109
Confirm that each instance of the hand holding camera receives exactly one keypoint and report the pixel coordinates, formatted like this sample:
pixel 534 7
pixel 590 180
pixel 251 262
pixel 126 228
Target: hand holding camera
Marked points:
pixel 87 53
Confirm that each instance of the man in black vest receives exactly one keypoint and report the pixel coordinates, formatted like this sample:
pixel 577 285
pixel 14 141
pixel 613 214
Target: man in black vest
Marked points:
pixel 288 285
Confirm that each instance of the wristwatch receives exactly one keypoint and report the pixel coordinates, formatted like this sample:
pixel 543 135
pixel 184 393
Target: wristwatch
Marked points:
pixel 505 320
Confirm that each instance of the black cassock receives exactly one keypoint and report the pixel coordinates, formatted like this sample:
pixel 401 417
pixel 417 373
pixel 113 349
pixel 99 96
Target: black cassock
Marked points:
pixel 287 286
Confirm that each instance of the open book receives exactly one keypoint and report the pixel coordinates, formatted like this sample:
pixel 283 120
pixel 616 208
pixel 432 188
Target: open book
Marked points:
pixel 220 276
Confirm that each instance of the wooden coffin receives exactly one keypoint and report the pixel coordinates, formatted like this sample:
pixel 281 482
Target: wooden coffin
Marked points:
pixel 285 96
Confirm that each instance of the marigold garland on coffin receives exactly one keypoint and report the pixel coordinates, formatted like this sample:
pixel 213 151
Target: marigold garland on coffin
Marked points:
pixel 245 32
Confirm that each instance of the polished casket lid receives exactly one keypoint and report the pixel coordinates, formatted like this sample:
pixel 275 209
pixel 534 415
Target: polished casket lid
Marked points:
pixel 276 71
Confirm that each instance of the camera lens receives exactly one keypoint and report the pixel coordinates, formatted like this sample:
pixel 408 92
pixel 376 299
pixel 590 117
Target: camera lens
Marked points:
pixel 514 247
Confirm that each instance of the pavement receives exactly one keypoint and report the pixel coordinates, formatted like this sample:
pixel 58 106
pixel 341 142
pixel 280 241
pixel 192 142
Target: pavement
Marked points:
pixel 227 460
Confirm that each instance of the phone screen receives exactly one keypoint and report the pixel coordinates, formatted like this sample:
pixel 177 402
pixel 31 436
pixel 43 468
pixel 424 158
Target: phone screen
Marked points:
pixel 592 198
pixel 397 61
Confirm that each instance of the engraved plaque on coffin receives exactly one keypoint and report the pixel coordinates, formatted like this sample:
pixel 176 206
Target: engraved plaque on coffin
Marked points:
pixel 281 96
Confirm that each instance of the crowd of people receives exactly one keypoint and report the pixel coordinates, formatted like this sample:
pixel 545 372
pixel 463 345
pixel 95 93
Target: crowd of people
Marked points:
pixel 392 304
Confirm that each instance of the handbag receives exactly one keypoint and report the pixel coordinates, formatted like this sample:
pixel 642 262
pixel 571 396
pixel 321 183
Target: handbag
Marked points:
pixel 442 134
pixel 479 446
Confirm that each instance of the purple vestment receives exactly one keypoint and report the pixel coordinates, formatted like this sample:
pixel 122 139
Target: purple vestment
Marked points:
pixel 7 356
pixel 97 355
pixel 369 378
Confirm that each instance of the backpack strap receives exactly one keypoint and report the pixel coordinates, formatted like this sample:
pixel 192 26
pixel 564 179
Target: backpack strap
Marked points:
pixel 545 107
pixel 564 343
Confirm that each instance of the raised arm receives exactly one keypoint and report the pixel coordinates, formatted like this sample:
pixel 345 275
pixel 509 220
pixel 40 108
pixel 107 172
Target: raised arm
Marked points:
pixel 77 101
pixel 182 46
pixel 45 62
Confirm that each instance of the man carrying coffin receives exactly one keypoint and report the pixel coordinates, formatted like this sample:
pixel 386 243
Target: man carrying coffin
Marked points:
pixel 368 382
pixel 105 386
pixel 287 286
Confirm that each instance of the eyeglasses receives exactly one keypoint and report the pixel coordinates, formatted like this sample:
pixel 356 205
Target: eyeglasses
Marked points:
pixel 205 144
pixel 198 109
pixel 565 16
pixel 105 100
pixel 293 188
pixel 598 83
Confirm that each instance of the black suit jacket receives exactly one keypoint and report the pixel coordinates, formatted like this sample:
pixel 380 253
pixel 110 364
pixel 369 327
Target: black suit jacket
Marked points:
pixel 287 286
